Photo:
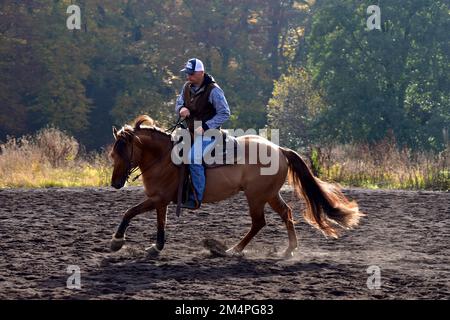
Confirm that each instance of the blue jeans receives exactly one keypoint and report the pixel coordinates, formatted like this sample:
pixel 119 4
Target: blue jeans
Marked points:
pixel 198 149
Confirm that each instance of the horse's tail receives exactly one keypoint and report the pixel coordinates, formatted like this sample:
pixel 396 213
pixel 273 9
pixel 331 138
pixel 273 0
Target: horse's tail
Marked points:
pixel 326 206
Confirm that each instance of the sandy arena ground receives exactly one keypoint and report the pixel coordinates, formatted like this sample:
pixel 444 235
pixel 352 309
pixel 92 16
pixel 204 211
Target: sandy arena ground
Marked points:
pixel 405 234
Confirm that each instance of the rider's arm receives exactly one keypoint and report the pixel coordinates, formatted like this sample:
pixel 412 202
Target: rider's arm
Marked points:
pixel 218 100
pixel 180 101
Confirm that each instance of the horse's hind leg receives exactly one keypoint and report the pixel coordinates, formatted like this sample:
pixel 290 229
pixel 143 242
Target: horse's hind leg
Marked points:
pixel 258 222
pixel 279 205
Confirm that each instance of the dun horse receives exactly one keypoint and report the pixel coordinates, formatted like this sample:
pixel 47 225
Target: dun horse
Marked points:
pixel 147 147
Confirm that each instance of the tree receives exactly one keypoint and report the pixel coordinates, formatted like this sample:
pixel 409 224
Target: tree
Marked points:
pixel 18 66
pixel 396 79
pixel 294 109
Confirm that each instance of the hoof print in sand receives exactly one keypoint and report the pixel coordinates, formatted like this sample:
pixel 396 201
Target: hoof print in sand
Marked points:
pixel 217 248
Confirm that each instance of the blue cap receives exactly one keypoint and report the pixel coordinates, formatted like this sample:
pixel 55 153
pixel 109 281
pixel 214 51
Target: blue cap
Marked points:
pixel 193 65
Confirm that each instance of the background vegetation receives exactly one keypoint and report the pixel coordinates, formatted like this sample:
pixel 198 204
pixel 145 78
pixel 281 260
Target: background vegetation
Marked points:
pixel 345 96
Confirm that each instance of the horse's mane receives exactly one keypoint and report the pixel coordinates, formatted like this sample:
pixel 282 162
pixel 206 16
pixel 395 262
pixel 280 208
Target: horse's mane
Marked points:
pixel 143 123
pixel 143 119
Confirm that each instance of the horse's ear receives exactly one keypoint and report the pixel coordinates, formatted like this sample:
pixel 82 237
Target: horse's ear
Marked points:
pixel 114 132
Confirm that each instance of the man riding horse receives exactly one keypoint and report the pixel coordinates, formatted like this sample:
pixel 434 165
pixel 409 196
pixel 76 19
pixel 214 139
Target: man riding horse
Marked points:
pixel 148 148
pixel 201 99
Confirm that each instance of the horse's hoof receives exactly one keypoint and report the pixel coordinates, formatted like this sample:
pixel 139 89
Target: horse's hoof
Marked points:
pixel 152 251
pixel 289 253
pixel 232 252
pixel 117 243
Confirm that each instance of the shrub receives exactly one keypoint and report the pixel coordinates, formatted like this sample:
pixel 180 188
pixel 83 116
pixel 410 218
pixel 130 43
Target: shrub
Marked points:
pixel 58 147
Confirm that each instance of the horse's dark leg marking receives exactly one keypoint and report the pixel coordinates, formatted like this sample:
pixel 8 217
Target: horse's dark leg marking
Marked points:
pixel 122 228
pixel 161 223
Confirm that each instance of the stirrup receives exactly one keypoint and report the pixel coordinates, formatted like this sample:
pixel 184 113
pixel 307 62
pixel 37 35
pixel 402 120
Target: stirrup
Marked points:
pixel 191 204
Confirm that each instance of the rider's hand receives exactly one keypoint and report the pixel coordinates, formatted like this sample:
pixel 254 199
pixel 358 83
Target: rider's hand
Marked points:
pixel 184 112
pixel 199 131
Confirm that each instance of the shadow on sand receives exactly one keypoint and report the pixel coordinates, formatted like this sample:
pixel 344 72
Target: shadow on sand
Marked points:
pixel 126 276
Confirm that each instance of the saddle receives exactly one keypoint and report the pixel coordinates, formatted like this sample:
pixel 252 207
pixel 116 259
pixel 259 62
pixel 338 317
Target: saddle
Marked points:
pixel 229 152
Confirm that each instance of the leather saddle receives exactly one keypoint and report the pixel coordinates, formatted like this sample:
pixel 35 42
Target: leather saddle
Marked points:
pixel 228 152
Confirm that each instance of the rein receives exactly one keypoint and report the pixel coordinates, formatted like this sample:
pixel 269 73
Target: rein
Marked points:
pixel 180 123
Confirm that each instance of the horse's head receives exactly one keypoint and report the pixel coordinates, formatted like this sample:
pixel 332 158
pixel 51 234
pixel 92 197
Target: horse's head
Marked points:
pixel 135 144
pixel 124 155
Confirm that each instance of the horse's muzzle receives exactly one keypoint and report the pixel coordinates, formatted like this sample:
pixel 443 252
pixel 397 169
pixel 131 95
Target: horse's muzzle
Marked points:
pixel 117 185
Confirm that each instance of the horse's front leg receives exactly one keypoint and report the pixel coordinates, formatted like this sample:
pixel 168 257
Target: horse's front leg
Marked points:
pixel 155 249
pixel 118 239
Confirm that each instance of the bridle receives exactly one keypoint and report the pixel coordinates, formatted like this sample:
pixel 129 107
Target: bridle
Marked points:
pixel 132 168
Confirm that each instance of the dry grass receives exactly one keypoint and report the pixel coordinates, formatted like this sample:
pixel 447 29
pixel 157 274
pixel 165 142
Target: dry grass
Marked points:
pixel 50 158
pixel 384 165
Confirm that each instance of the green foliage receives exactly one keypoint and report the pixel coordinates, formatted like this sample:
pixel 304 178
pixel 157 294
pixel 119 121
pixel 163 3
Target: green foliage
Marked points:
pixel 294 109
pixel 126 60
pixel 335 81
pixel 376 81
pixel 316 166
